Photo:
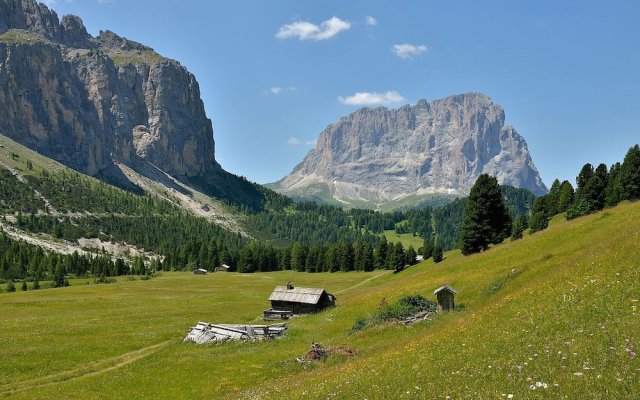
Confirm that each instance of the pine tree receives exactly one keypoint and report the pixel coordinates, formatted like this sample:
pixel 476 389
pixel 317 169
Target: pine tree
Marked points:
pixel 367 257
pixel 437 255
pixel 565 197
pixel 519 226
pixel 36 284
pixel 630 174
pixel 613 191
pixel 58 276
pixel 24 287
pixel 427 248
pixel 380 255
pixel 10 286
pixel 486 218
pixel 411 255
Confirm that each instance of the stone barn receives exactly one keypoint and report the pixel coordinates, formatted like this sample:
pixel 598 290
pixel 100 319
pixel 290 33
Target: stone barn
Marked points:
pixel 287 301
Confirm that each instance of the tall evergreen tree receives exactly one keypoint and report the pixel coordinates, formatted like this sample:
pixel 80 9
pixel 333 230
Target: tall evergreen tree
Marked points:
pixel 437 254
pixel 411 254
pixel 427 248
pixel 380 255
pixel 613 191
pixel 565 197
pixel 519 226
pixel 486 218
pixel 630 174
pixel 367 257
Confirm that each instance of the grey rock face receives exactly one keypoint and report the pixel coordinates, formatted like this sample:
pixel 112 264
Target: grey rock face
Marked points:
pixel 87 101
pixel 381 155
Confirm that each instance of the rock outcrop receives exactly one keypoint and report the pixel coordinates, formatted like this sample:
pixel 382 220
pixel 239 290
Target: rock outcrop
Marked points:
pixel 378 156
pixel 89 101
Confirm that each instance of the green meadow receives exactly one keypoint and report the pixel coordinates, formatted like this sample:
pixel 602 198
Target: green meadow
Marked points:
pixel 554 315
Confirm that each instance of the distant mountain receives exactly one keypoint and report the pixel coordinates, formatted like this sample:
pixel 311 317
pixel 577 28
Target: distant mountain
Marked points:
pixel 384 158
pixel 97 103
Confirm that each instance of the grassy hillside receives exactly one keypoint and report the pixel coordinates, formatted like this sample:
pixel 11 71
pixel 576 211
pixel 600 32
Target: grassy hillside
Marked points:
pixel 559 307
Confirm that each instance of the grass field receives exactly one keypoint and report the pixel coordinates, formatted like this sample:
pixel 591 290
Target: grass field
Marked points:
pixel 406 239
pixel 554 315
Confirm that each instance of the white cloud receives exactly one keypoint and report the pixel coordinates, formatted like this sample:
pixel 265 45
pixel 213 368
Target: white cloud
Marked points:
pixel 370 20
pixel 311 142
pixel 371 98
pixel 293 141
pixel 280 89
pixel 407 50
pixel 304 30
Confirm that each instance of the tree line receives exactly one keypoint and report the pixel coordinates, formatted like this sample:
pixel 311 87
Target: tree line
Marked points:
pixel 596 188
pixel 487 220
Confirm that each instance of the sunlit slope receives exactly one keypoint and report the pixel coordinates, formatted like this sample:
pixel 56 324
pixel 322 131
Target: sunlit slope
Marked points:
pixel 556 308
pixel 551 316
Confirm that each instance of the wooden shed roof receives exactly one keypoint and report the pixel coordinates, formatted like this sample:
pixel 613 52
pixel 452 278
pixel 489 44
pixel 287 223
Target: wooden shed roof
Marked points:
pixel 297 295
pixel 445 287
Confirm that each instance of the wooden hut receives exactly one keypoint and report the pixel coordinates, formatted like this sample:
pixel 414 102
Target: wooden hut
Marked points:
pixel 445 295
pixel 200 271
pixel 223 268
pixel 288 300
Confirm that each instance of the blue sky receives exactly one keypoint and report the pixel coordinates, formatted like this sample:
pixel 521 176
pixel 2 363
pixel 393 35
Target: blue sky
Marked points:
pixel 274 74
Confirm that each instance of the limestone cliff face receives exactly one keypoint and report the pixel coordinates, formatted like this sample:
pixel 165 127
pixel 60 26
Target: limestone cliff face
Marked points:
pixel 377 156
pixel 87 101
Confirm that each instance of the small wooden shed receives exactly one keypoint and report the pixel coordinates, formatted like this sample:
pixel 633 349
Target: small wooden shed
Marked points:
pixel 200 271
pixel 223 268
pixel 445 295
pixel 289 300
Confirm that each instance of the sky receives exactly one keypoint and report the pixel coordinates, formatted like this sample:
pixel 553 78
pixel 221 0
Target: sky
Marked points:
pixel 274 74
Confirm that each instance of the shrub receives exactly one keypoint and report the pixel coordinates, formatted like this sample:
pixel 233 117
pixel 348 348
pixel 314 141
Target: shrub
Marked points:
pixel 405 307
pixel 10 286
pixel 359 324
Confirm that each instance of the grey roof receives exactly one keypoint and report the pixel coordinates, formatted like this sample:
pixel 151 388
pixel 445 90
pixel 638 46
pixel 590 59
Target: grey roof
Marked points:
pixel 297 295
pixel 445 287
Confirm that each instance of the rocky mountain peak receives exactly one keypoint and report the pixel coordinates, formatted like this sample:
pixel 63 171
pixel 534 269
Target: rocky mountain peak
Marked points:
pixel 377 156
pixel 73 33
pixel 88 102
pixel 29 15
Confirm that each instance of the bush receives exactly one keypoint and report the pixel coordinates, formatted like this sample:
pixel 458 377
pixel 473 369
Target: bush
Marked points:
pixel 405 307
pixel 10 286
pixel 359 324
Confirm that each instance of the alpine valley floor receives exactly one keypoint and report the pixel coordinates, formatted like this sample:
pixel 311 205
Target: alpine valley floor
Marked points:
pixel 554 315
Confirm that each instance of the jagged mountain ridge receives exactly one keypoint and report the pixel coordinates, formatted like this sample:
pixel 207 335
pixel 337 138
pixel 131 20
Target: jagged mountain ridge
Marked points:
pixel 379 156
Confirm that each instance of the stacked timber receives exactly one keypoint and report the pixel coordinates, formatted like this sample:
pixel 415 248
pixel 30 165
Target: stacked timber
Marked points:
pixel 204 332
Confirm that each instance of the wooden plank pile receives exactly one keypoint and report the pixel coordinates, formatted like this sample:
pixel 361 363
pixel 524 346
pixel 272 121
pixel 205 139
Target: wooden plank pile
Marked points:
pixel 421 316
pixel 204 332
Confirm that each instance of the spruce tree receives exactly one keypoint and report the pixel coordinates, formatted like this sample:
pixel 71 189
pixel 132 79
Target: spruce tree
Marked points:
pixel 411 255
pixel 437 255
pixel 380 255
pixel 519 226
pixel 613 191
pixel 630 174
pixel 427 248
pixel 565 197
pixel 10 286
pixel 24 287
pixel 486 218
